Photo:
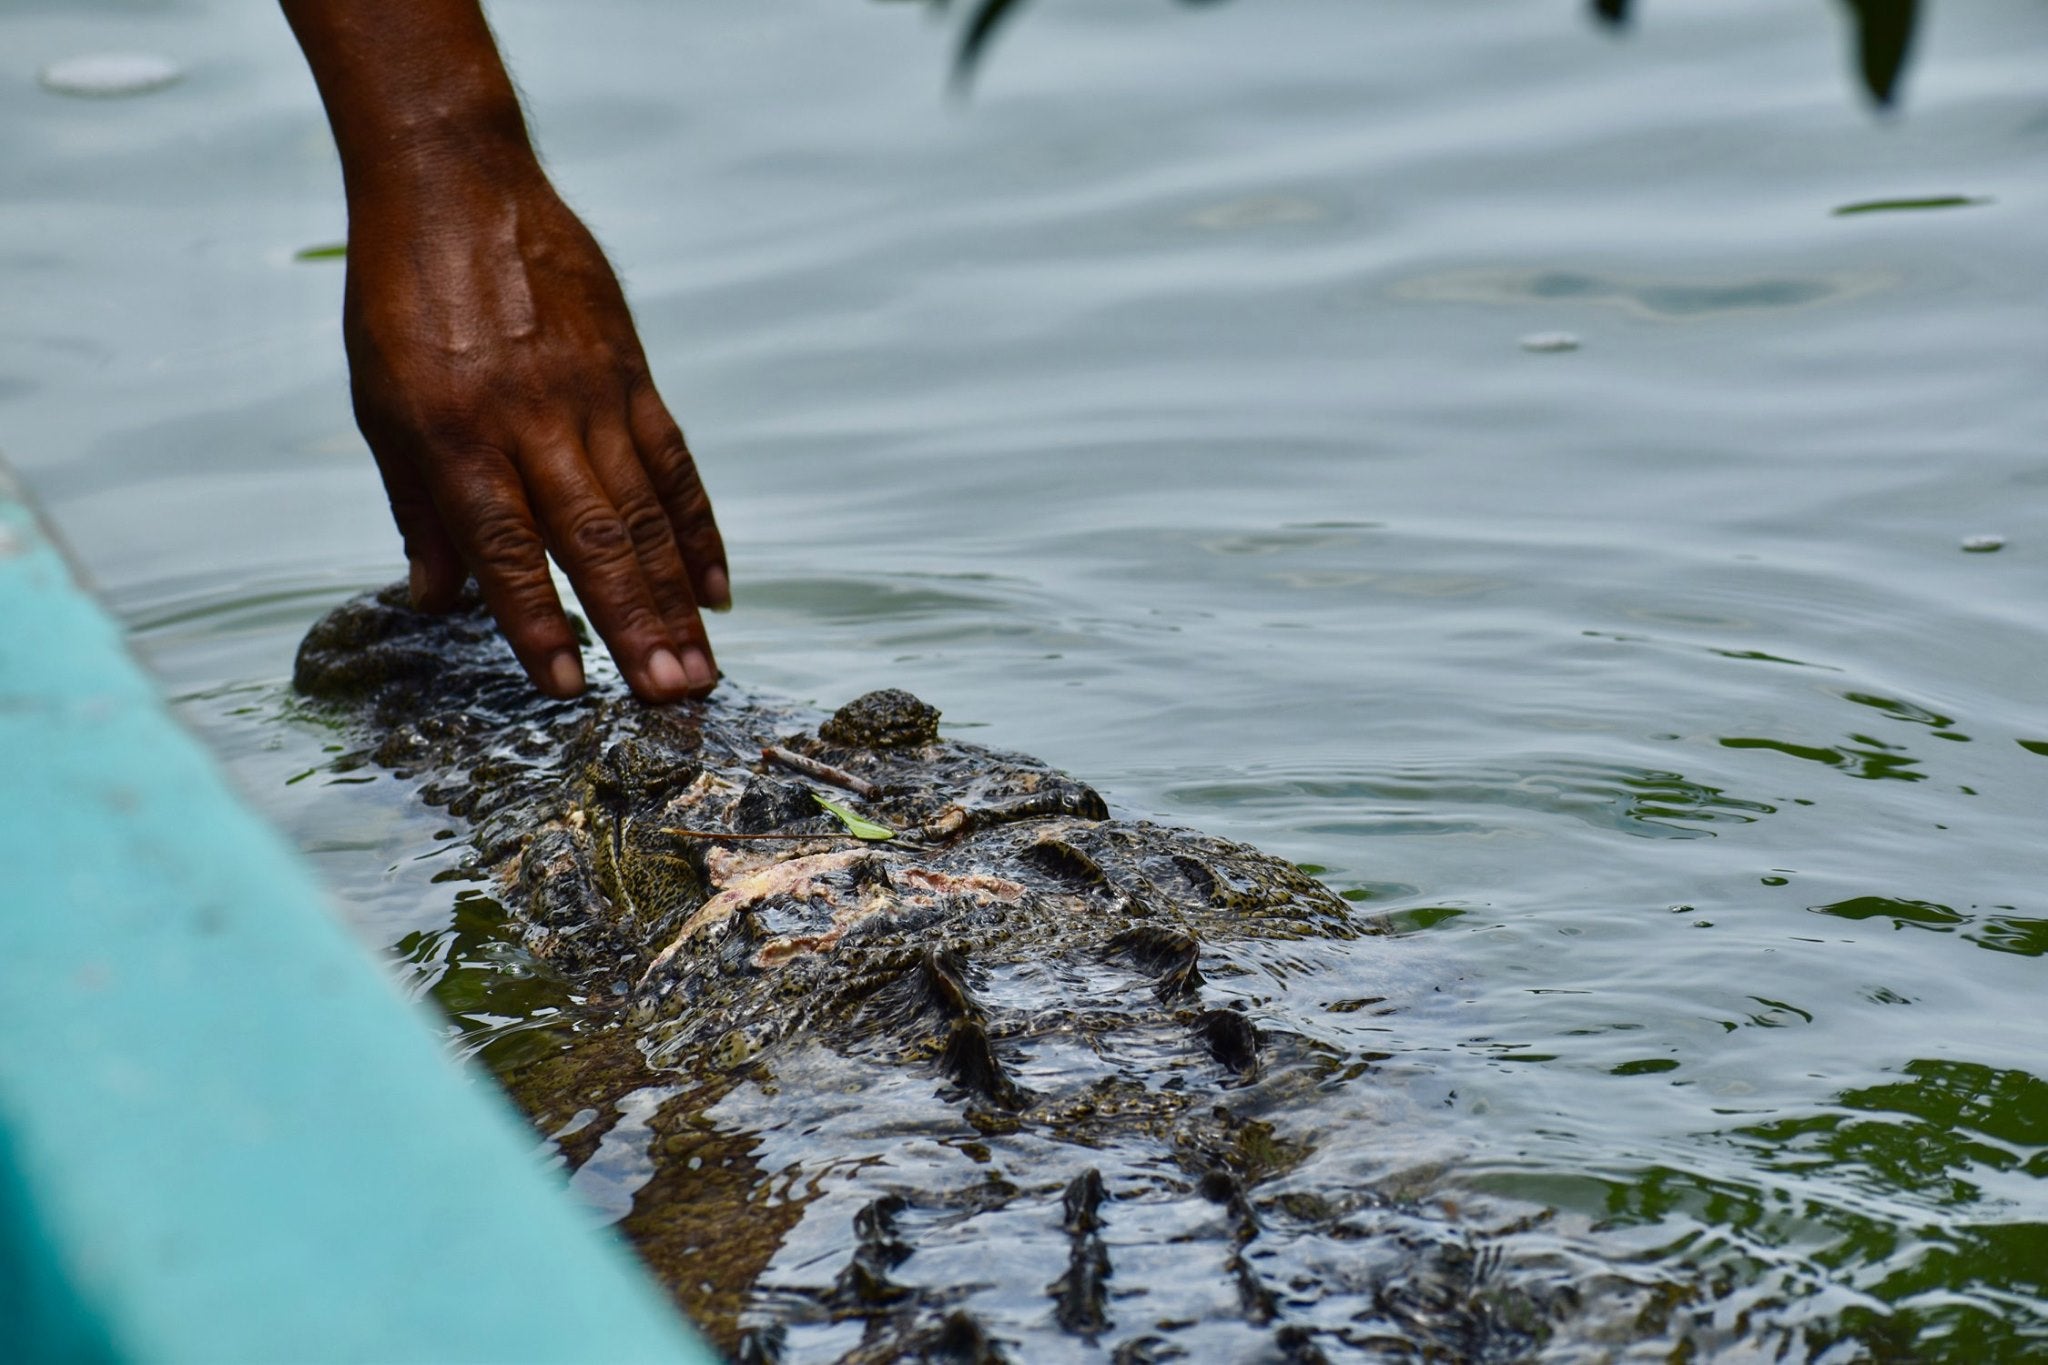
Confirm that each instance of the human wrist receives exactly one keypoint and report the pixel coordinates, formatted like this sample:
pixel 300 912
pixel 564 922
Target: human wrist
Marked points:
pixel 435 165
pixel 416 95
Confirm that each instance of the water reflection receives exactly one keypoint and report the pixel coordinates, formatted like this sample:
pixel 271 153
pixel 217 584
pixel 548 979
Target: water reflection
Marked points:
pixel 1833 1263
pixel 1663 300
pixel 1947 1133
pixel 505 1005
pixel 1925 1132
pixel 1644 803
pixel 2004 932
pixel 1862 757
pixel 1804 1279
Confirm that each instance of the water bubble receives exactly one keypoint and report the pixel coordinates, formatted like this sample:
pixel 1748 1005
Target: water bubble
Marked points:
pixel 1984 544
pixel 102 75
pixel 1550 341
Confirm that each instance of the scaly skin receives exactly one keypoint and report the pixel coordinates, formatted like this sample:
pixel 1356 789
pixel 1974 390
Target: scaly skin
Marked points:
pixel 1085 1112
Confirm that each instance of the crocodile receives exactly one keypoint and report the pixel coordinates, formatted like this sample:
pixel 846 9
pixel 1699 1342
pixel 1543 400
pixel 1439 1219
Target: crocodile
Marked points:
pixel 903 1048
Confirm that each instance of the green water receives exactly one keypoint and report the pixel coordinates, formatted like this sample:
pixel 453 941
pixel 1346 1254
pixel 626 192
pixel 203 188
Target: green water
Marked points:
pixel 1163 411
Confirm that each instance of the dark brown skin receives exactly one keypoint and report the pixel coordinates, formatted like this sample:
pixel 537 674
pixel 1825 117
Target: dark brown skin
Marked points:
pixel 495 369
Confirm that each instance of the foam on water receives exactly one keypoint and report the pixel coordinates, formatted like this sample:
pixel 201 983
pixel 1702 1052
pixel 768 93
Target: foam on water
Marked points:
pixel 105 75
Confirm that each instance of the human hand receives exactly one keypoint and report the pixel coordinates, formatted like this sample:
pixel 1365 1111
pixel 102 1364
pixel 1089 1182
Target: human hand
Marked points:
pixel 501 386
pixel 496 372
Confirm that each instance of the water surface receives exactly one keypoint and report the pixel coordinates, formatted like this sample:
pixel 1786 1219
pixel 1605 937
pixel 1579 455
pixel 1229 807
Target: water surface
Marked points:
pixel 1162 411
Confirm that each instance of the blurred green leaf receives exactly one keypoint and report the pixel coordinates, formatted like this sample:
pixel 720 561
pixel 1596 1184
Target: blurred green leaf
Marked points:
pixel 1932 201
pixel 855 825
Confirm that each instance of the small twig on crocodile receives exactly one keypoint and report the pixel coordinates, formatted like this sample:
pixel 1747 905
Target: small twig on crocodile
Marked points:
pixel 682 833
pixel 823 772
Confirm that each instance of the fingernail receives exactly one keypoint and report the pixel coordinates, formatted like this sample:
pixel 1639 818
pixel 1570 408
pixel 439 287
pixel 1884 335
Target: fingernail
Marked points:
pixel 702 674
pixel 416 582
pixel 665 673
pixel 717 590
pixel 565 672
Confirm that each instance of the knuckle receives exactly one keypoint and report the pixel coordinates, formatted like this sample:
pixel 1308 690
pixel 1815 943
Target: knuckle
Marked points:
pixel 700 539
pixel 639 622
pixel 503 539
pixel 408 503
pixel 457 427
pixel 672 460
pixel 530 615
pixel 648 525
pixel 683 492
pixel 626 620
pixel 597 535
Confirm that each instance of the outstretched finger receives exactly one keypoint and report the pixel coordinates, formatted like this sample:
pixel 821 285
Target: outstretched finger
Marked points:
pixel 625 483
pixel 673 474
pixel 483 504
pixel 590 541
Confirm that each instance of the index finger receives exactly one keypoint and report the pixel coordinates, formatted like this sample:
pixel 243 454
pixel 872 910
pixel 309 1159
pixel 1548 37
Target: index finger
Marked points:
pixel 483 506
pixel 591 541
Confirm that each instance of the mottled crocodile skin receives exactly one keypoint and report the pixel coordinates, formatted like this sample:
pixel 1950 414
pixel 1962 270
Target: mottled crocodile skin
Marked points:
pixel 1026 1081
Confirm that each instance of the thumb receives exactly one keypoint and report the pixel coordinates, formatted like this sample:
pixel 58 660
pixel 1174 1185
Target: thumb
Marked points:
pixel 435 571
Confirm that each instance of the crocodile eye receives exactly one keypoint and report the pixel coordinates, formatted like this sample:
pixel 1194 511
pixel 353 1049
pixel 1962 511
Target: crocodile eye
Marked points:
pixel 766 805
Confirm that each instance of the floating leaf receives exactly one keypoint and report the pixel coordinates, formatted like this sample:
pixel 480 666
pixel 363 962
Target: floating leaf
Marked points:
pixel 1932 201
pixel 855 825
pixel 330 251
pixel 1648 1066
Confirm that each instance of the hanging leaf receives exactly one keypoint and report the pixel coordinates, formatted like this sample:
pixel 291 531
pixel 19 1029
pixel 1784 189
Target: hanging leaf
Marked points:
pixel 980 29
pixel 1884 33
pixel 855 825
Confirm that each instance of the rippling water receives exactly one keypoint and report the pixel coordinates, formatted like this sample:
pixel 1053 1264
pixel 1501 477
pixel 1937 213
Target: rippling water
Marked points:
pixel 1163 411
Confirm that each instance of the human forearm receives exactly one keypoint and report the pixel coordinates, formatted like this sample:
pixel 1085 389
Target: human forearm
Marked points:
pixel 410 86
